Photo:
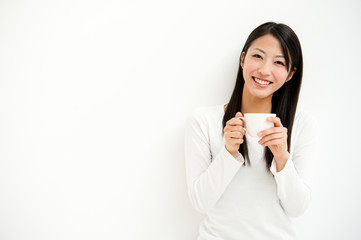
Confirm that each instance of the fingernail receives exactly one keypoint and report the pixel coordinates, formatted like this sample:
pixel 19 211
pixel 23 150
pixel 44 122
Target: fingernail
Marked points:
pixel 259 134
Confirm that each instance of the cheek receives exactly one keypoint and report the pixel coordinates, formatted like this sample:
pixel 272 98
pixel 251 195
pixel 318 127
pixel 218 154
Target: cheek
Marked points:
pixel 281 75
pixel 250 66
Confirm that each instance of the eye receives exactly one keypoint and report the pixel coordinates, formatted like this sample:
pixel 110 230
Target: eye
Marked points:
pixel 280 63
pixel 257 56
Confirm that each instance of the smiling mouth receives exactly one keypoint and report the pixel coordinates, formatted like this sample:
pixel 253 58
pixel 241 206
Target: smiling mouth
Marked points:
pixel 261 81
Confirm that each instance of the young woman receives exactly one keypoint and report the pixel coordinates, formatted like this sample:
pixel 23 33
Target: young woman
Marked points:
pixel 248 187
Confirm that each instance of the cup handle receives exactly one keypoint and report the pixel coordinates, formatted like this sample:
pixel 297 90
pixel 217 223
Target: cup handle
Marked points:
pixel 243 121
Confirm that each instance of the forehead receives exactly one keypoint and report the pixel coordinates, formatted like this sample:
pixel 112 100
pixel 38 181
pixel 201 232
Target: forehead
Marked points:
pixel 268 43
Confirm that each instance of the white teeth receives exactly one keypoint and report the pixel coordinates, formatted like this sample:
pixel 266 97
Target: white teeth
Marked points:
pixel 261 81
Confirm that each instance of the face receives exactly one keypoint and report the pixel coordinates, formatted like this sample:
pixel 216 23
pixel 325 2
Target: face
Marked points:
pixel 264 67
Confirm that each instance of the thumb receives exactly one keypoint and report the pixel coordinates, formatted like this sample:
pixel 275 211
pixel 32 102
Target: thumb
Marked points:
pixel 239 114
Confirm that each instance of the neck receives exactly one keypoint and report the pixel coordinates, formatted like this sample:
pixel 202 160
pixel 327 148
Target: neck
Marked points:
pixel 251 104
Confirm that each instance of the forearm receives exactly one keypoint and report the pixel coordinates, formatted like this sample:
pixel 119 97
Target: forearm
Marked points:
pixel 206 189
pixel 281 161
pixel 294 193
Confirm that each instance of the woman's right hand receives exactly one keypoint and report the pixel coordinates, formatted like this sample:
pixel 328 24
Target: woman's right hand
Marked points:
pixel 233 133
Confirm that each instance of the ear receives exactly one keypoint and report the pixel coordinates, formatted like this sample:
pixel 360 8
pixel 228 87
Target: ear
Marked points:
pixel 291 74
pixel 242 59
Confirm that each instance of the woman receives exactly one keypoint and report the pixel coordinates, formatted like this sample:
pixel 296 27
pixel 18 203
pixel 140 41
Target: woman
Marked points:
pixel 250 188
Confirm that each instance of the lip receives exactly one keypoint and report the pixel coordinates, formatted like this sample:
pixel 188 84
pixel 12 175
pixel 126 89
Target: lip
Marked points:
pixel 260 85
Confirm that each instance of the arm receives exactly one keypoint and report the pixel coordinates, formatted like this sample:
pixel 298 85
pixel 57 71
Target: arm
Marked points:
pixel 294 180
pixel 207 176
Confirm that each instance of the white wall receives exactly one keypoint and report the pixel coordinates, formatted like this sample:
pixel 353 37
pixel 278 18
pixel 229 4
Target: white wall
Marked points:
pixel 93 101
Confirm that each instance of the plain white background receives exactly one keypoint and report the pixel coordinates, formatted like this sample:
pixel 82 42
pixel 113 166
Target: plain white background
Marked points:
pixel 94 97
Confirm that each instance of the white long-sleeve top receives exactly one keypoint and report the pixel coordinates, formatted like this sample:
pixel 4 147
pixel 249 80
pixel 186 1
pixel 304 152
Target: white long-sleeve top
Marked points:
pixel 247 202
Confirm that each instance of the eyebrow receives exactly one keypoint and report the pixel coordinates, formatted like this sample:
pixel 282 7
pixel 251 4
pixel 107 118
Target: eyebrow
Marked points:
pixel 262 51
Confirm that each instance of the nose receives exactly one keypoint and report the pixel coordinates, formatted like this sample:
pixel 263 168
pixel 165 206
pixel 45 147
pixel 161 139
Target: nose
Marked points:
pixel 265 68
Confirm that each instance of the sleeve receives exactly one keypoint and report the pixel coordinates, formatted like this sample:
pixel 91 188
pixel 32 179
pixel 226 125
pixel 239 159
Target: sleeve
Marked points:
pixel 207 178
pixel 294 181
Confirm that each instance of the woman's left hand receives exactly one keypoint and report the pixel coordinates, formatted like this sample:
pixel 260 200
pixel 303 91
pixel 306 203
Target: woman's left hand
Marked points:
pixel 275 138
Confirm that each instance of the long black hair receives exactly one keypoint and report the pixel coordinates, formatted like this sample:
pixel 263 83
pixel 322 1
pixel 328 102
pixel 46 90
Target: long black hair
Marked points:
pixel 284 100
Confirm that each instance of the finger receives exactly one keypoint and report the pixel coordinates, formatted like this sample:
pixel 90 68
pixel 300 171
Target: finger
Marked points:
pixel 235 135
pixel 242 131
pixel 235 122
pixel 276 121
pixel 279 141
pixel 272 130
pixel 238 114
pixel 236 129
pixel 235 141
pixel 230 136
pixel 272 136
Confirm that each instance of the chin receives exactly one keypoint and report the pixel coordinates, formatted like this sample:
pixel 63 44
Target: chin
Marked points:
pixel 262 95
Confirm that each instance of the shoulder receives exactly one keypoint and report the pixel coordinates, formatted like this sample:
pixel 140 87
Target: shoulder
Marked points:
pixel 205 119
pixel 305 125
pixel 206 114
pixel 303 119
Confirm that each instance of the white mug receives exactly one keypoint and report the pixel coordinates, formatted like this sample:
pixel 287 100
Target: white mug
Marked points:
pixel 256 122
